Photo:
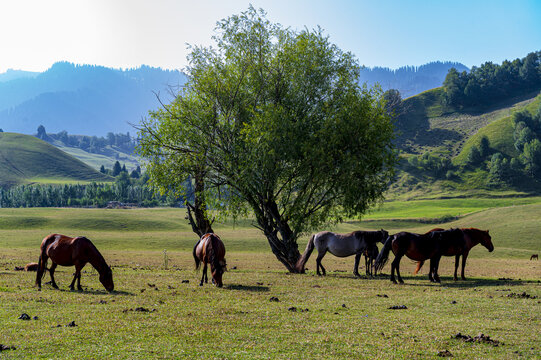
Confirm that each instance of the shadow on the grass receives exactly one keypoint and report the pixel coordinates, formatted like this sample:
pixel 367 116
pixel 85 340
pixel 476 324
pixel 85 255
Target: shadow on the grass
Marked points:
pixel 253 288
pixel 447 281
pixel 93 291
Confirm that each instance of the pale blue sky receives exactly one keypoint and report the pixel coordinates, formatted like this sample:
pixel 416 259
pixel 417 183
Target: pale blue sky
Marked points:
pixel 128 33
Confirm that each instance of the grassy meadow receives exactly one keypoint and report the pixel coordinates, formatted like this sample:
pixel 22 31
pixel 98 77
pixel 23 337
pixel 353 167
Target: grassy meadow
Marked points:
pixel 336 317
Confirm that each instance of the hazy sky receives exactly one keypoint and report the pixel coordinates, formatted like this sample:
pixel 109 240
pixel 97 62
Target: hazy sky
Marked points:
pixel 129 33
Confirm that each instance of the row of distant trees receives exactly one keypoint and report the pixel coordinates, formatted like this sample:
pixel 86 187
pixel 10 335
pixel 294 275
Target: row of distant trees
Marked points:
pixel 127 188
pixel 92 144
pixel 491 82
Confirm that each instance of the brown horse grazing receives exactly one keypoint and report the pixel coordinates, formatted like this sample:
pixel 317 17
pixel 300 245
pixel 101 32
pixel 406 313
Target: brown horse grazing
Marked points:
pixel 418 247
pixel 472 237
pixel 341 245
pixel 67 251
pixel 210 250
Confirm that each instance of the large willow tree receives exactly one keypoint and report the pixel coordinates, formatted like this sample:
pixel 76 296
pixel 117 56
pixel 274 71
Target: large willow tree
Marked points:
pixel 273 121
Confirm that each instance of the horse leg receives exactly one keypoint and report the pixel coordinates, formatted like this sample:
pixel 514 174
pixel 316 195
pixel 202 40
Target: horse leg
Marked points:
pixel 75 276
pixel 436 266
pixel 394 265
pixel 204 274
pixel 366 265
pixel 464 257
pixel 398 273
pixel 457 260
pixel 431 271
pixel 356 266
pixel 51 271
pixel 78 270
pixel 320 256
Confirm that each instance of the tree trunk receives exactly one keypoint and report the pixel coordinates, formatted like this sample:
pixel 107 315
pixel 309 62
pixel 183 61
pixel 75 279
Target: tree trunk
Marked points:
pixel 282 240
pixel 197 212
pixel 286 251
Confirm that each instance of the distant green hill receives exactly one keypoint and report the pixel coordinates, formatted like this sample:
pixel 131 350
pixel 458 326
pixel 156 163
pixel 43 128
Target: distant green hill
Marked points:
pixel 25 159
pixel 432 131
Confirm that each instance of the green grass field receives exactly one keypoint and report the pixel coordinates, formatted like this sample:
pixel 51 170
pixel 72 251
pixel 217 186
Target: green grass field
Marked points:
pixel 345 318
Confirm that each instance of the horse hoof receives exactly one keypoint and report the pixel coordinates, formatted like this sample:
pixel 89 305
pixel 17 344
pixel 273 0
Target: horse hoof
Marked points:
pixel 200 284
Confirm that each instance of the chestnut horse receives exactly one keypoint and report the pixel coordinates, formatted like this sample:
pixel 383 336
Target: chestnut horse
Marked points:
pixel 67 251
pixel 210 250
pixel 431 245
pixel 341 245
pixel 472 237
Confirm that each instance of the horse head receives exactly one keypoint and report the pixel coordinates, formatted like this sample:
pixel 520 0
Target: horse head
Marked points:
pixel 217 271
pixel 384 236
pixel 106 279
pixel 486 240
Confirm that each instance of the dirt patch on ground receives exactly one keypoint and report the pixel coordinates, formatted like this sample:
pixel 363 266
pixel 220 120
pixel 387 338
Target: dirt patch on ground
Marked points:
pixel 481 338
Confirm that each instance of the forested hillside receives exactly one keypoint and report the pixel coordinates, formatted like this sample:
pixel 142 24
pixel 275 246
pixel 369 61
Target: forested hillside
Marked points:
pixel 82 99
pixel 481 130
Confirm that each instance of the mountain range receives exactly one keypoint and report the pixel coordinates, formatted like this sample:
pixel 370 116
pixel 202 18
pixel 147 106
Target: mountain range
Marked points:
pixel 410 80
pixel 82 99
pixel 95 100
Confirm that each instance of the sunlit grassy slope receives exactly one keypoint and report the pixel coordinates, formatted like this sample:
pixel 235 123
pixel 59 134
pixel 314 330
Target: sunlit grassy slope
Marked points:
pixel 26 159
pixel 97 160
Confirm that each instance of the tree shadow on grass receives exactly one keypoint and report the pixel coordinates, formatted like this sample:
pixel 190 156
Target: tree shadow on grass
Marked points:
pixel 253 288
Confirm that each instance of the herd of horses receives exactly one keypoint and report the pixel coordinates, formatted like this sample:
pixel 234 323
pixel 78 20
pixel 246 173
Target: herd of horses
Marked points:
pixel 210 250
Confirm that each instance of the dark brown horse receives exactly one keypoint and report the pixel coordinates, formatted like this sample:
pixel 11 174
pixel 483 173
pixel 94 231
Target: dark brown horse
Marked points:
pixel 418 247
pixel 472 237
pixel 370 255
pixel 210 250
pixel 67 251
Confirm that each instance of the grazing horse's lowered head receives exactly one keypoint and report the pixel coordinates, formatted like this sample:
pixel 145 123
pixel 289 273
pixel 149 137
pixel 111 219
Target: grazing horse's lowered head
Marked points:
pixel 106 279
pixel 479 237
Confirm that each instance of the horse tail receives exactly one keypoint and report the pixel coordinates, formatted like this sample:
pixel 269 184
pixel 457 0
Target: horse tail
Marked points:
pixel 299 266
pixel 419 266
pixel 196 259
pixel 383 256
pixel 42 262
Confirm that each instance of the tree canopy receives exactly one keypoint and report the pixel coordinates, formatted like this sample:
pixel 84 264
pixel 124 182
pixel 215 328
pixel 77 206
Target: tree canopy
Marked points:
pixel 273 121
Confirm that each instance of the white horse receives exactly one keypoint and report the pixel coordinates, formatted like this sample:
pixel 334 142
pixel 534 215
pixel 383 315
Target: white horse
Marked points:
pixel 341 245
